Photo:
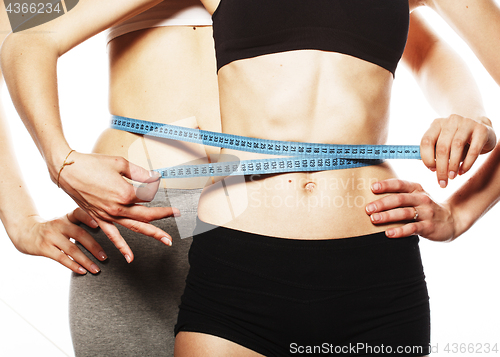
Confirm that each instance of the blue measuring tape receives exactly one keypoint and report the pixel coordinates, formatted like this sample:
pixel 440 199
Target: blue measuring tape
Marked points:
pixel 300 157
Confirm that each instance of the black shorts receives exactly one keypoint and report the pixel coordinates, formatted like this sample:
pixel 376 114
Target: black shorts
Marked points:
pixel 360 296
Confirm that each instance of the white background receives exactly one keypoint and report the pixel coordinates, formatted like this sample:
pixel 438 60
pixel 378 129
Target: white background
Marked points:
pixel 462 276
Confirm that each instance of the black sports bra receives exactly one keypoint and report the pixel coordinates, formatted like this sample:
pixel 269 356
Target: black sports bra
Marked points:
pixel 372 30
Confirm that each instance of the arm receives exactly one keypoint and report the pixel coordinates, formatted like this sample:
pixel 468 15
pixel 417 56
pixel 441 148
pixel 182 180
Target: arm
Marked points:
pixel 478 23
pixel 95 182
pixel 478 195
pixel 27 231
pixel 439 222
pixel 451 90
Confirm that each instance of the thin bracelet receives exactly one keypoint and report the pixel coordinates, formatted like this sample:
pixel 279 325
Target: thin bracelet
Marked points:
pixel 63 166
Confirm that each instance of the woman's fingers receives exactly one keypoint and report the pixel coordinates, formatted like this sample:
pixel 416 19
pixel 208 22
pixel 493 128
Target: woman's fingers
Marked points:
pixel 84 238
pixel 146 229
pixel 389 215
pixel 479 139
pixel 136 173
pixel 62 258
pixel 404 231
pixel 406 194
pixel 395 185
pixel 428 145
pixel 409 205
pixel 146 192
pixel 397 207
pixel 78 215
pixel 115 237
pixel 71 250
pixel 97 184
pixel 443 152
pixel 456 158
pixel 50 238
pixel 125 209
pixel 450 141
pixel 459 147
pixel 148 214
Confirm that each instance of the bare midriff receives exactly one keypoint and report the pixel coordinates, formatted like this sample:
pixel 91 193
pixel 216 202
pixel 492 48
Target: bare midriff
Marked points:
pixel 305 96
pixel 166 75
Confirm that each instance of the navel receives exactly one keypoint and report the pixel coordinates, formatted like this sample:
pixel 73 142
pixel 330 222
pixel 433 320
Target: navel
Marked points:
pixel 310 187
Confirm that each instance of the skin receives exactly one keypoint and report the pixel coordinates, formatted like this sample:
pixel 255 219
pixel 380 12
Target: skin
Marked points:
pixel 279 96
pixel 168 72
pixel 36 55
pixel 31 62
pixel 29 232
pixel 150 73
pixel 468 20
pixel 441 222
pixel 447 221
pixel 266 83
pixel 115 201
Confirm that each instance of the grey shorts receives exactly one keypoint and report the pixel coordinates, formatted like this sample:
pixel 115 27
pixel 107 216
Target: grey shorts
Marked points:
pixel 131 309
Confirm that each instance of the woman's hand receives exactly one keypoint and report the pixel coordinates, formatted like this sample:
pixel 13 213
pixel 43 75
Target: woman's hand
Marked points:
pixel 411 206
pixel 453 140
pixel 97 184
pixel 51 239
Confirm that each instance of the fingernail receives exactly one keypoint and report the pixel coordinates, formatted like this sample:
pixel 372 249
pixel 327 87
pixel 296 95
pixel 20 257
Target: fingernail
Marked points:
pixel 166 241
pixel 95 268
pixel 376 186
pixel 93 224
pixel 442 183
pixel 102 255
pixel 371 208
pixel 82 270
pixel 433 169
pixel 452 175
pixel 154 174
pixel 461 172
pixel 127 258
pixel 375 217
pixel 390 233
pixel 176 212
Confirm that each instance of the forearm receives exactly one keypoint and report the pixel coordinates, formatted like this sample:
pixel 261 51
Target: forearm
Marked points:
pixel 16 204
pixel 478 194
pixel 27 231
pixel 29 61
pixel 30 66
pixel 95 182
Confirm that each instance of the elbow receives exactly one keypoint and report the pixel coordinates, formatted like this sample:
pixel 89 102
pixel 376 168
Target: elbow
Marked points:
pixel 6 52
pixel 12 48
pixel 24 50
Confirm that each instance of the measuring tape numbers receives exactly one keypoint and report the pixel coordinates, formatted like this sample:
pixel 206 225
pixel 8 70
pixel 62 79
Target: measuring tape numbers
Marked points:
pixel 300 157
